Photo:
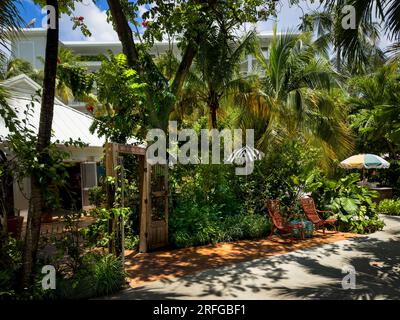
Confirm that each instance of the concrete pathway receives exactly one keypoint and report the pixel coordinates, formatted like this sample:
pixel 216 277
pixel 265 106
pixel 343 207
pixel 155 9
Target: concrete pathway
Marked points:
pixel 313 273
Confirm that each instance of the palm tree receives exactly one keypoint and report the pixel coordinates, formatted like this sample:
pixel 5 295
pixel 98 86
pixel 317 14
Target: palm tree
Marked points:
pixel 326 25
pixel 17 66
pixel 10 22
pixel 43 142
pixel 216 72
pixel 375 116
pixel 386 12
pixel 295 97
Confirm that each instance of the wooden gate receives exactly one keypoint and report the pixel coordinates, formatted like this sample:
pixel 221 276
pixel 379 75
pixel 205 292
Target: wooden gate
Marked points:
pixel 158 195
pixel 154 198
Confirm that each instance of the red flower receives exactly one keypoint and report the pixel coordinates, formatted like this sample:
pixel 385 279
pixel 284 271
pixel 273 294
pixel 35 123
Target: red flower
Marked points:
pixel 145 24
pixel 79 19
pixel 89 108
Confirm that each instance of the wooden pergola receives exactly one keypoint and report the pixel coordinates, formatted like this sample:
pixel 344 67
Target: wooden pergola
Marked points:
pixel 153 189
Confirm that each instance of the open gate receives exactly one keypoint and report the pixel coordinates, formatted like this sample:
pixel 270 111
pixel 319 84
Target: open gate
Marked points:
pixel 154 197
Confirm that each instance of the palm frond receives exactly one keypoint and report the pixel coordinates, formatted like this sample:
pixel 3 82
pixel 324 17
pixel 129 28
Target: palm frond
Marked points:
pixel 10 23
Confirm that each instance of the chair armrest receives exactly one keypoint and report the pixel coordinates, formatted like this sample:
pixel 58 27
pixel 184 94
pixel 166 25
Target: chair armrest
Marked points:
pixel 324 211
pixel 328 211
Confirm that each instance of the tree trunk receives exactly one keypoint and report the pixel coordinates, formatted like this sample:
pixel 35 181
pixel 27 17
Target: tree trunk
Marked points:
pixel 44 136
pixel 124 33
pixel 213 105
pixel 338 59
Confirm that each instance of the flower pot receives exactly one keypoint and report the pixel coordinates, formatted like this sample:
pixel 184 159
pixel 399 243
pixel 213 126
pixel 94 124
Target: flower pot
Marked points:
pixel 14 225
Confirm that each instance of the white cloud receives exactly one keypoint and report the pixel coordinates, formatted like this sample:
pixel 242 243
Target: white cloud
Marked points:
pixel 94 18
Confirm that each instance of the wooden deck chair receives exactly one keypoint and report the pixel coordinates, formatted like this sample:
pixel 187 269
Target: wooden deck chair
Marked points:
pixel 312 214
pixel 279 223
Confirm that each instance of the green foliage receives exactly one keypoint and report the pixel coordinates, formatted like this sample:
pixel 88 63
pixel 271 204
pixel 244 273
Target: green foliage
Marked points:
pixel 295 97
pixel 19 66
pixel 211 203
pixel 280 175
pixel 132 242
pixel 390 207
pixel 10 22
pixel 97 196
pixel 375 118
pixel 205 185
pixel 122 94
pixel 76 78
pixel 99 275
pixel 205 226
pixel 10 266
pixel 10 263
pixel 192 18
pixel 97 233
pixel 352 204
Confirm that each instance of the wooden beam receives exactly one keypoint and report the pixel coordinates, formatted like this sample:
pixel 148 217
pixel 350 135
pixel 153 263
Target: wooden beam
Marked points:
pixel 123 148
pixel 144 201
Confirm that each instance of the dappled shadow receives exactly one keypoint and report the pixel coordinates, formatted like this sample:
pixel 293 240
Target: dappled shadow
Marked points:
pixel 257 270
pixel 142 268
pixel 377 274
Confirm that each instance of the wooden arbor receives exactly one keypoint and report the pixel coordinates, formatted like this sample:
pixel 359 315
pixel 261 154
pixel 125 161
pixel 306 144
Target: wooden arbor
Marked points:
pixel 153 186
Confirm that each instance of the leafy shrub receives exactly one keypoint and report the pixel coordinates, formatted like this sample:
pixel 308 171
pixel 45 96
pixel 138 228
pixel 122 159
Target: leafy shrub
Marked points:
pixel 210 228
pixel 390 207
pixel 132 242
pixel 99 275
pixel 97 235
pixel 352 204
pixel 245 226
pixel 97 196
pixel 10 263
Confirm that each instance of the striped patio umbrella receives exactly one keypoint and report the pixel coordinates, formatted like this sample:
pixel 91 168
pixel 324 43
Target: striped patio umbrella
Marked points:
pixel 244 155
pixel 365 161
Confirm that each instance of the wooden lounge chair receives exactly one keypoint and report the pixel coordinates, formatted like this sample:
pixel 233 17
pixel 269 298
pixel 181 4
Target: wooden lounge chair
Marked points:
pixel 312 214
pixel 278 223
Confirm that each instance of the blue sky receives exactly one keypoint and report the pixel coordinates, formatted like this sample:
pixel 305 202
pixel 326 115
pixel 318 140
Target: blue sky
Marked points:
pixel 95 19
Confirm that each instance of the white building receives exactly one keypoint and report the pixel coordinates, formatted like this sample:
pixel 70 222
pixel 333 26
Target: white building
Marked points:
pixel 68 123
pixel 31 46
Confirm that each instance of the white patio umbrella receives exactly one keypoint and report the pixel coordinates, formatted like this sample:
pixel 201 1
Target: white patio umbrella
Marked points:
pixel 244 155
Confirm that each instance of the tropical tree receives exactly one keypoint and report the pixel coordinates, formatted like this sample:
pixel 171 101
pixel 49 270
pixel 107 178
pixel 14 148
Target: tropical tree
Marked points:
pixel 122 97
pixel 17 66
pixel 216 71
pixel 386 12
pixel 327 27
pixel 295 98
pixel 10 22
pixel 194 20
pixel 38 183
pixel 374 101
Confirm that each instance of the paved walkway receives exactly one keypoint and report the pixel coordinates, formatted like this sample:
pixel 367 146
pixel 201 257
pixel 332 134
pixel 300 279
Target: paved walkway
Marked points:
pixel 313 272
pixel 161 265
